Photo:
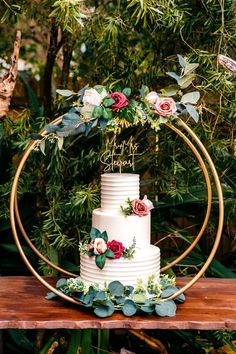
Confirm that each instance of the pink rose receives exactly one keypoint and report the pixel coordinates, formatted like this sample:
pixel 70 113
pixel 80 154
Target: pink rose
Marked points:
pixel 91 246
pixel 116 247
pixel 152 97
pixel 139 207
pixel 92 97
pixel 165 106
pixel 120 100
pixel 99 246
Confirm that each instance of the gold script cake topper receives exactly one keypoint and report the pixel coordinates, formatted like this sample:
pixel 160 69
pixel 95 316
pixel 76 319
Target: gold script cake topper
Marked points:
pixel 119 154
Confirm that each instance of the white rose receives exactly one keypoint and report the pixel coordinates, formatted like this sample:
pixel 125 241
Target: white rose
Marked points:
pixel 99 246
pixel 152 97
pixel 148 203
pixel 92 97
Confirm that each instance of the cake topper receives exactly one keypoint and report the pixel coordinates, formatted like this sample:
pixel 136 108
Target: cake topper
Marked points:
pixel 119 154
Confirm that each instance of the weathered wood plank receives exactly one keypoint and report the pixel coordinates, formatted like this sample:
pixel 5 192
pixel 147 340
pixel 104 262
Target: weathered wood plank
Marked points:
pixel 210 304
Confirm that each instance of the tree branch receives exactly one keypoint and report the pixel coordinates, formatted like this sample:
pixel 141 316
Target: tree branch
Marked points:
pixel 7 83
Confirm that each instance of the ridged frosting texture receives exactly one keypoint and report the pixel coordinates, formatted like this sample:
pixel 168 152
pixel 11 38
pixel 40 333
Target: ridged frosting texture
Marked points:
pixel 146 262
pixel 116 188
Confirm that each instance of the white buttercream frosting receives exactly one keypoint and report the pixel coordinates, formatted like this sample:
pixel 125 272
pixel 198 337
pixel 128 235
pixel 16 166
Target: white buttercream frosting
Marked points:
pixel 145 263
pixel 116 188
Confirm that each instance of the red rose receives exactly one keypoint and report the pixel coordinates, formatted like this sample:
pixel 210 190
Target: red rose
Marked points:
pixel 116 247
pixel 139 207
pixel 120 100
pixel 165 106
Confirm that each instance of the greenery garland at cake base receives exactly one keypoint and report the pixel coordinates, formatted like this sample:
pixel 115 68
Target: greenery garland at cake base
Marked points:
pixel 143 299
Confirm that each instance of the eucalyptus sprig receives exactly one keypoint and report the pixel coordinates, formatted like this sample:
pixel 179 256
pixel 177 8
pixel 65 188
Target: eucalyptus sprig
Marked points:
pixel 144 298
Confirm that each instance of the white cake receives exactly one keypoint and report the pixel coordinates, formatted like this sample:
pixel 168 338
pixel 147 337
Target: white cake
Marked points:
pixel 116 189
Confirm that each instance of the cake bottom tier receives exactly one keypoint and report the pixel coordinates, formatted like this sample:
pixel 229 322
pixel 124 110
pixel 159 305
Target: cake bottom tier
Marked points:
pixel 145 262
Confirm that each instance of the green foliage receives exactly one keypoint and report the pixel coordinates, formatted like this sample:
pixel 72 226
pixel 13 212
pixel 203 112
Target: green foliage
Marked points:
pixel 143 298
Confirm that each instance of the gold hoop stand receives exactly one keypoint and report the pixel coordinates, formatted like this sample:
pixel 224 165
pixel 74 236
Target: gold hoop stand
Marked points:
pixel 16 220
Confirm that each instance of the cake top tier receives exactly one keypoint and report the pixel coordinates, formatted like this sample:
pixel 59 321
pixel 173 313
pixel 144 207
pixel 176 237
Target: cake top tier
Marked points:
pixel 116 188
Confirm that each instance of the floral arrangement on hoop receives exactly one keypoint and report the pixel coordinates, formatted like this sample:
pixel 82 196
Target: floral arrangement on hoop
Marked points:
pixel 101 248
pixel 143 298
pixel 112 107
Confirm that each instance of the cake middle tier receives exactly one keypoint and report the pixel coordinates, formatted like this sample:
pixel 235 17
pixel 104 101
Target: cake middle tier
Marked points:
pixel 125 229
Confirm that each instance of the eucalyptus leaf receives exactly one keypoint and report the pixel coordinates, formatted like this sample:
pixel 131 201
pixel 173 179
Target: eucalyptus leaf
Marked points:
pixel 181 60
pixel 88 300
pixel 108 102
pixel 139 298
pixel 190 97
pixel 192 112
pixel 104 236
pixel 100 260
pixel 109 253
pixel 173 75
pixel 144 91
pixel 102 123
pixel 97 112
pixel 168 291
pixel 94 233
pixel 50 296
pixel 60 142
pixel 42 146
pixel 127 91
pixel 166 308
pixel 65 93
pixel 116 288
pixel 170 90
pixel 99 296
pixel 51 128
pixel 80 129
pixel 99 88
pixel 148 308
pixel 104 310
pixel 66 131
pixel 129 308
pixel 189 68
pixel 61 282
pixel 128 290
pixel 107 113
pixel 185 81
pixel 71 119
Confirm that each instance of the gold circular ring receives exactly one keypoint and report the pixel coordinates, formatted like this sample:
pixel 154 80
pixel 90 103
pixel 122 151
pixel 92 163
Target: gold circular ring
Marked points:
pixel 14 212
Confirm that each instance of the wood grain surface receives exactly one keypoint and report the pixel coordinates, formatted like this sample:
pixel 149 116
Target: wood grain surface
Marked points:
pixel 210 304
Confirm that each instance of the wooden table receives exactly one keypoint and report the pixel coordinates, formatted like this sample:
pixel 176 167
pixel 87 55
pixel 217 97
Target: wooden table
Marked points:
pixel 210 304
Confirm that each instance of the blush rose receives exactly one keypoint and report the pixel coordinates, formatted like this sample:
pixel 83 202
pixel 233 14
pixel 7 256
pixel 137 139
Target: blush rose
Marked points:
pixel 99 246
pixel 116 247
pixel 165 106
pixel 92 97
pixel 120 100
pixel 139 207
pixel 152 97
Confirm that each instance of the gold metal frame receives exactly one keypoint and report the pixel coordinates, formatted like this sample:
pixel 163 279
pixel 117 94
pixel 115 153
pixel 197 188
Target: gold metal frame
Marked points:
pixel 15 215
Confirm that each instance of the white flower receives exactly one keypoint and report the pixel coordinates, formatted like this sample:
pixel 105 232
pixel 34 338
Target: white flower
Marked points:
pixel 148 203
pixel 152 97
pixel 92 97
pixel 99 246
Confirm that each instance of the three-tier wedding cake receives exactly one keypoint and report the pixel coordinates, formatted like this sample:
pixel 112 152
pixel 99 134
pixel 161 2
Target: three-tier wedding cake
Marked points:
pixel 130 231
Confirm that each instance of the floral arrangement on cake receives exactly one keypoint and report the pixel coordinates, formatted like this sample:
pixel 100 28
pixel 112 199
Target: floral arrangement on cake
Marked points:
pixel 111 107
pixel 140 207
pixel 101 248
pixel 144 298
